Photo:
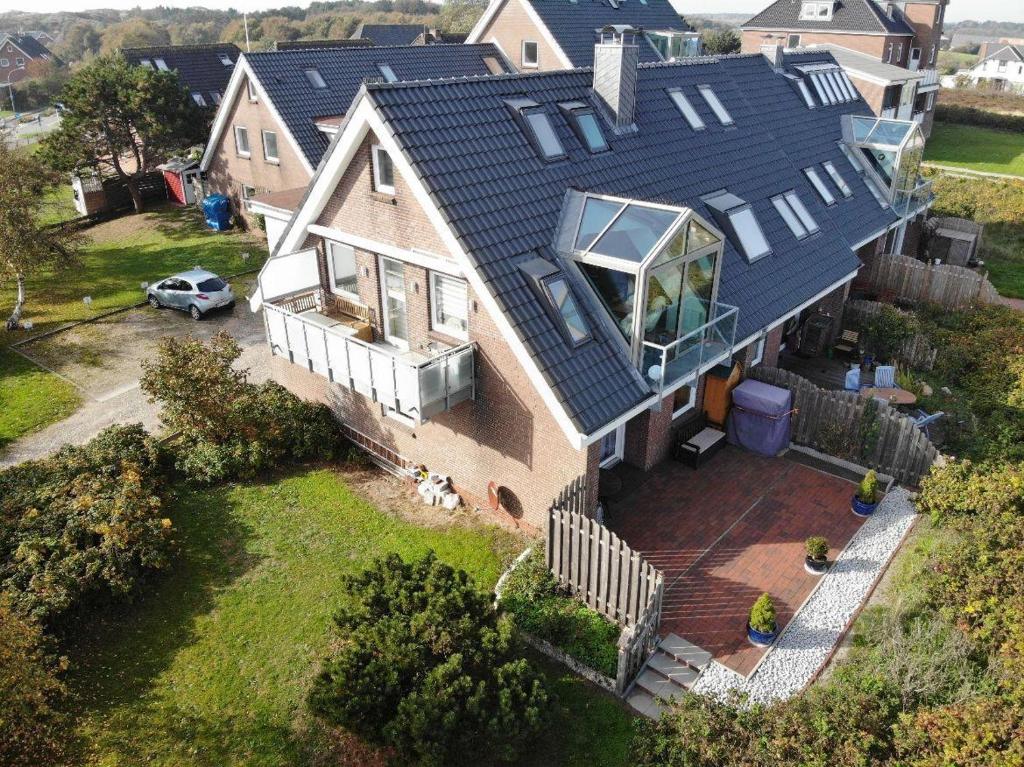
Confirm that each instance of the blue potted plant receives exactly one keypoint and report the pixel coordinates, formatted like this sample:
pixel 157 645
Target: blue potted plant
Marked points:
pixel 865 500
pixel 761 627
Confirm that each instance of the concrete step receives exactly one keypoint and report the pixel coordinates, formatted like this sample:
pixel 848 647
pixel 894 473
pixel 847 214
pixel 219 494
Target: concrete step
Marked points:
pixel 680 673
pixel 685 652
pixel 644 703
pixel 658 685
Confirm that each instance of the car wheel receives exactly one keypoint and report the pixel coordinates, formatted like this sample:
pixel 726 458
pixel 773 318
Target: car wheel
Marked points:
pixel 194 311
pixel 230 306
pixel 154 301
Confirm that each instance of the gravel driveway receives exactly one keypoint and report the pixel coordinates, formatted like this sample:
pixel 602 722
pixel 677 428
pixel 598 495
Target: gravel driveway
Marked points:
pixel 103 359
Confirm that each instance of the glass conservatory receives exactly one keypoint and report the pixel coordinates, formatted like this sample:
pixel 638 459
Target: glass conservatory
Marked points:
pixel 655 270
pixel 892 151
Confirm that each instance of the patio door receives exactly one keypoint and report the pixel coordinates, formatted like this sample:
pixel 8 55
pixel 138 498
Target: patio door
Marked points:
pixel 611 447
pixel 396 316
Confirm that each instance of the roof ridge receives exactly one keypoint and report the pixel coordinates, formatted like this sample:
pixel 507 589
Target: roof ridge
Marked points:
pixel 189 47
pixel 369 48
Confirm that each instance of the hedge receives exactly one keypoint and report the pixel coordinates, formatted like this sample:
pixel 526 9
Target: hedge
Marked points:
pixel 981 118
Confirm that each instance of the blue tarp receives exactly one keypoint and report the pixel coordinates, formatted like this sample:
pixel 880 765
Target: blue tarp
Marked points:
pixel 760 417
pixel 217 210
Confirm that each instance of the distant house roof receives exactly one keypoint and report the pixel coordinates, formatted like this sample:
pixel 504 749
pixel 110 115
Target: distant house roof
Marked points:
pixel 303 108
pixel 203 69
pixel 294 45
pixel 1005 53
pixel 390 34
pixel 576 25
pixel 30 46
pixel 504 203
pixel 864 16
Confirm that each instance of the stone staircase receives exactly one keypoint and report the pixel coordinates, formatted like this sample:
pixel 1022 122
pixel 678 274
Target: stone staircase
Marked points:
pixel 669 673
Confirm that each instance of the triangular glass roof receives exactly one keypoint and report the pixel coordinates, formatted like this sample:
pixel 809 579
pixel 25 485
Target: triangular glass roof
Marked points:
pixel 882 134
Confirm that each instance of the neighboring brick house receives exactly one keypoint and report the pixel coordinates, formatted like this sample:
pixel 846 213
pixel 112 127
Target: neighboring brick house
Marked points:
pixel 203 70
pixel 17 52
pixel 281 109
pixel 1001 69
pixel 545 35
pixel 904 34
pixel 517 280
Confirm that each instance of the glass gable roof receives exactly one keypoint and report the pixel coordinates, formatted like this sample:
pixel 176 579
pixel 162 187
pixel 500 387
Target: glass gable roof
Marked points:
pixel 597 214
pixel 635 232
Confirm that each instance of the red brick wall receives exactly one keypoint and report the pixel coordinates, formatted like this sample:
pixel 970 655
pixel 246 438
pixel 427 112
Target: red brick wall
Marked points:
pixel 12 53
pixel 875 45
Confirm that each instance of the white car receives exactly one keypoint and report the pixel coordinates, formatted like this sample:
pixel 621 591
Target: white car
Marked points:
pixel 196 292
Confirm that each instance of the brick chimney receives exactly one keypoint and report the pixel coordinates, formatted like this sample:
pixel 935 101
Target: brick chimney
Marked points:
pixel 615 62
pixel 773 52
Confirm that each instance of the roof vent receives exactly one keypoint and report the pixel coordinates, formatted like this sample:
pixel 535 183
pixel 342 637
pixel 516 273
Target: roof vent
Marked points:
pixel 615 63
pixel 774 55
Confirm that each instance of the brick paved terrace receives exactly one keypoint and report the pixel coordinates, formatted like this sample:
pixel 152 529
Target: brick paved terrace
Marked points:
pixel 726 533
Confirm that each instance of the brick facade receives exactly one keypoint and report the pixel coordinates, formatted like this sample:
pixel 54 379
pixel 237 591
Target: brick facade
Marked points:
pixel 874 45
pixel 10 72
pixel 229 171
pixel 510 27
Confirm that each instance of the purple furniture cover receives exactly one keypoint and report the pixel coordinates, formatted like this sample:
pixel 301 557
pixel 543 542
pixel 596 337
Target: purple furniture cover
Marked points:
pixel 760 417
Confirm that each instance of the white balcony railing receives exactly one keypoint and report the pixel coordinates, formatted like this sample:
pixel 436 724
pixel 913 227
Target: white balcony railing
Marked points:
pixel 888 113
pixel 918 117
pixel 416 389
pixel 931 78
pixel 665 365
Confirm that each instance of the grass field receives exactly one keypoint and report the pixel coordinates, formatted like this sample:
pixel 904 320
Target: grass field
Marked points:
pixel 981 149
pixel 212 665
pixel 30 398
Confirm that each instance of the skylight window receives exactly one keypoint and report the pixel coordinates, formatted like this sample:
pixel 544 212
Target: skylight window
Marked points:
pixel 225 59
pixel 837 179
pixel 583 121
pixel 597 214
pixel 635 233
pixel 738 218
pixel 801 211
pixel 789 216
pixel 198 98
pixel 388 72
pixel 564 302
pixel 716 106
pixel 805 92
pixel 216 96
pixel 819 186
pixel 854 160
pixel 537 127
pixel 142 63
pixel 686 108
pixel 161 65
pixel 313 75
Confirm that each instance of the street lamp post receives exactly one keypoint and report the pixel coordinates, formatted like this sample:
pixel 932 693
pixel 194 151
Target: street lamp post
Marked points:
pixel 10 88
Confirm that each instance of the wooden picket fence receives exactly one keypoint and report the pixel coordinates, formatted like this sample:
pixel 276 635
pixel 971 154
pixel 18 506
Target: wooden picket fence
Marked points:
pixel 905 279
pixel 601 570
pixel 915 352
pixel 848 426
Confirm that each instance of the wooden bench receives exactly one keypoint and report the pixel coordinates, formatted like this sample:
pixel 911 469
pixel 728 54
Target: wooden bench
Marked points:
pixel 848 342
pixel 696 442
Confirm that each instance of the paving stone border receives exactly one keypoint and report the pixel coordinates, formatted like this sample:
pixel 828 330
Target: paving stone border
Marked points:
pixel 809 639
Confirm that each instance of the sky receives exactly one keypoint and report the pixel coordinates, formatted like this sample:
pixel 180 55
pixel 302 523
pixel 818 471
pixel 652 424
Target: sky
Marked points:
pixel 981 10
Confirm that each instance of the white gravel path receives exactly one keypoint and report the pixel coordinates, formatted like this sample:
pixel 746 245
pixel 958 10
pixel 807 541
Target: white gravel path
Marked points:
pixel 810 636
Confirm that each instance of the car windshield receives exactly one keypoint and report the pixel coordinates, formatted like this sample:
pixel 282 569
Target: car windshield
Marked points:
pixel 212 285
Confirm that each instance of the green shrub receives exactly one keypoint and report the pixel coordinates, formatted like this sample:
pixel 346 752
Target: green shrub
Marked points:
pixel 886 331
pixel 981 118
pixel 230 428
pixel 85 521
pixel 816 547
pixel 426 666
pixel 762 614
pixel 31 728
pixel 867 490
pixel 542 608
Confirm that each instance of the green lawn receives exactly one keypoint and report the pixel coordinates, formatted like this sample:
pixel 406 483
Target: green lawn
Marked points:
pixel 211 666
pixel 983 149
pixel 30 398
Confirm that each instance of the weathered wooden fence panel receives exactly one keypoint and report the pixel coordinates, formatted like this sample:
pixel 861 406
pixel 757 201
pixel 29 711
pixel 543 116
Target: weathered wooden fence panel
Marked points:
pixel 906 279
pixel 916 352
pixel 838 423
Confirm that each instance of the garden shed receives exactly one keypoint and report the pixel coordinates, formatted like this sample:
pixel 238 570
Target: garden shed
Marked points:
pixel 178 177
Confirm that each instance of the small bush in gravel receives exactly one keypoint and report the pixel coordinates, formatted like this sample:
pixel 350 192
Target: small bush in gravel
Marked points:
pixel 230 428
pixel 762 614
pixel 816 547
pixel 83 522
pixel 542 608
pixel 426 666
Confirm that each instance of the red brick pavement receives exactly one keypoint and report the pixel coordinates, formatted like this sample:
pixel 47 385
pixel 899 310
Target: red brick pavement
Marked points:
pixel 727 533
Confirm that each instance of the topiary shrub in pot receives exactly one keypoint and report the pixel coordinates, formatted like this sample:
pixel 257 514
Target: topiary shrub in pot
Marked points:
pixel 865 500
pixel 816 561
pixel 761 627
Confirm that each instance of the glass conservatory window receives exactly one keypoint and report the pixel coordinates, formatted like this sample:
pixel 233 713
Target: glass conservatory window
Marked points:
pixel 617 291
pixel 698 237
pixel 635 233
pixel 678 298
pixel 597 214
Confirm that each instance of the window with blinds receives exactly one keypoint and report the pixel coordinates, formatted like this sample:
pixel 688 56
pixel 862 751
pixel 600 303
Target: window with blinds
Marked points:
pixel 448 305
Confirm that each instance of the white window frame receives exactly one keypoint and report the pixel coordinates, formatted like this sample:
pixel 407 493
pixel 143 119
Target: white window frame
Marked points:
pixel 198 98
pixel 716 105
pixel 331 244
pixel 19 61
pixel 689 405
pixel 161 65
pixel 247 152
pixel 251 90
pixel 378 185
pixel 759 345
pixel 225 60
pixel 248 192
pixel 436 322
pixel 685 108
pixel 5 62
pixel 276 158
pixel 536 59
pixel 314 78
pixel 816 181
pixel 789 41
pixel 217 97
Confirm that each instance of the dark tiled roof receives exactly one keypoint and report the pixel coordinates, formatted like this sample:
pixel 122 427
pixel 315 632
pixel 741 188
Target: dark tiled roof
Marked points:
pixel 282 75
pixel 1006 53
pixel 849 16
pixel 503 203
pixel 32 47
pixel 199 67
pixel 294 45
pixel 390 34
pixel 574 24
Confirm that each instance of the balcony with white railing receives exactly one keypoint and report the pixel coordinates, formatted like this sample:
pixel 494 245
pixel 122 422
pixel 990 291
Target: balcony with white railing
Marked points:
pixel 888 113
pixel 665 365
pixel 930 79
pixel 337 346
pixel 919 118
pixel 910 203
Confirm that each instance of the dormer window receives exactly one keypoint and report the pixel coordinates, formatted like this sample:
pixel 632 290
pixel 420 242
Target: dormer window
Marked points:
pixel 716 106
pixel 584 124
pixel 686 108
pixel 737 217
pixel 388 73
pixel 551 285
pixel 314 78
pixel 816 11
pixel 536 125
pixel 225 59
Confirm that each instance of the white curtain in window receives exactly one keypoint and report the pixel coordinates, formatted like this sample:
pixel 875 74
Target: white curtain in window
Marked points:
pixel 450 303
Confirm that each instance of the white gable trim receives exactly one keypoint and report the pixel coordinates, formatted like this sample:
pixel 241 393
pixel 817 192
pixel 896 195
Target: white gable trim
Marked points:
pixel 227 106
pixel 492 12
pixel 10 39
pixel 364 119
pixel 482 23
